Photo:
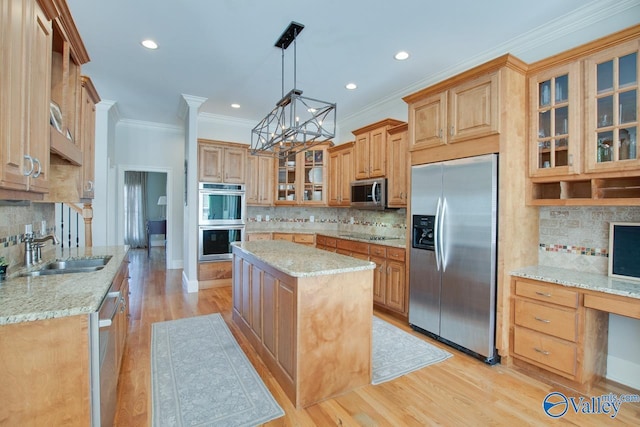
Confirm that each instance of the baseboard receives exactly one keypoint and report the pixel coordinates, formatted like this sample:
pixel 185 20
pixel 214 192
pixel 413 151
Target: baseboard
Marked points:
pixel 189 285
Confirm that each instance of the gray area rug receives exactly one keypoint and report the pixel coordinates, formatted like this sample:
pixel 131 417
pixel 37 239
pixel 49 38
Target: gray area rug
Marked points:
pixel 396 352
pixel 201 377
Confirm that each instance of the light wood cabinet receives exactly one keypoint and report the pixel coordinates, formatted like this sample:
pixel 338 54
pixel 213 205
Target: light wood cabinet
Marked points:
pixel 370 149
pixel 301 177
pixel 467 110
pixel 390 290
pixel 252 237
pixel 554 333
pixel 259 183
pixel 340 174
pixel 554 121
pixel 221 162
pixel 584 124
pixel 302 238
pixel 25 78
pixel 285 319
pixel 397 166
pixel 88 100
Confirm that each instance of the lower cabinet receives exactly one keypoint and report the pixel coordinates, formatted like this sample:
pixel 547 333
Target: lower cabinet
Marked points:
pixel 554 334
pixel 45 370
pixel 302 238
pixel 389 279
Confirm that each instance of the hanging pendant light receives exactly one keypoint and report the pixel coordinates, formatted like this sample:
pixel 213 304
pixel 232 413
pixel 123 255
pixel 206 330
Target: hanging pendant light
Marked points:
pixel 297 122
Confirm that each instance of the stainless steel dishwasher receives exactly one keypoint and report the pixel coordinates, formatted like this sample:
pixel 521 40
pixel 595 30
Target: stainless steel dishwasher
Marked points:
pixel 104 364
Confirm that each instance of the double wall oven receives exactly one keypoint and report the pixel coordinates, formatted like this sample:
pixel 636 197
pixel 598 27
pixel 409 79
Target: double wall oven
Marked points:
pixel 221 213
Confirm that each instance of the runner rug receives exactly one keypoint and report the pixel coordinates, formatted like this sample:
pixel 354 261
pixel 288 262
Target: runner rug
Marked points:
pixel 396 352
pixel 201 377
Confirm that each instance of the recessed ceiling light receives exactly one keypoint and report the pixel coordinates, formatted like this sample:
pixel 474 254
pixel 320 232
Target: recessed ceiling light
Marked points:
pixel 351 86
pixel 235 105
pixel 401 56
pixel 149 44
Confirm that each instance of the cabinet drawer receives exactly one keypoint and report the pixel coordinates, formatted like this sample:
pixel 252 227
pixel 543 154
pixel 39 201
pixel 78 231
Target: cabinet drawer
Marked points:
pixel 552 320
pixel 303 238
pixel 396 254
pixel 321 240
pixel 252 237
pixel 547 293
pixel 546 350
pixel 283 236
pixel 362 248
pixel 331 242
pixel 379 251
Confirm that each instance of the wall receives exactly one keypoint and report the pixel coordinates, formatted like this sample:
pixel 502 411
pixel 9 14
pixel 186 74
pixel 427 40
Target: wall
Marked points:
pixel 577 238
pixel 150 147
pixel 13 218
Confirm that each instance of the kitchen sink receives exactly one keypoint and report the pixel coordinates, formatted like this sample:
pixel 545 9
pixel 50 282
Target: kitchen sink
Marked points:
pixel 80 265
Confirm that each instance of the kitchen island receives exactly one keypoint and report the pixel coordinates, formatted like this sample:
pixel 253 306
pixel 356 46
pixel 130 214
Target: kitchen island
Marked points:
pixel 308 314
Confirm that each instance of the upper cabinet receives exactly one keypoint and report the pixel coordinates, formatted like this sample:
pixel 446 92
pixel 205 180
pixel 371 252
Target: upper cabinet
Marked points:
pixel 221 162
pixel 86 131
pixel 479 111
pixel 340 174
pixel 397 166
pixel 465 111
pixel 583 115
pixel 259 188
pixel 370 149
pixel 301 177
pixel 612 109
pixel 25 75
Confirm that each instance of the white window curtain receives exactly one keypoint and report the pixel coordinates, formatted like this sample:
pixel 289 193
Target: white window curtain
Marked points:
pixel 135 201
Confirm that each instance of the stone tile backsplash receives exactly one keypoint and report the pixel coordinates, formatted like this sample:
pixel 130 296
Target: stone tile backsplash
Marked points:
pixel 384 223
pixel 577 237
pixel 12 222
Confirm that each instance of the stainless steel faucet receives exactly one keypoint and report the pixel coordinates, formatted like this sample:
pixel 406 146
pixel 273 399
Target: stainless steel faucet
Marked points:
pixel 33 246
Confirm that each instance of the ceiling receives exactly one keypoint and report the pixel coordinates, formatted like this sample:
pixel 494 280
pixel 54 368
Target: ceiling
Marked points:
pixel 224 50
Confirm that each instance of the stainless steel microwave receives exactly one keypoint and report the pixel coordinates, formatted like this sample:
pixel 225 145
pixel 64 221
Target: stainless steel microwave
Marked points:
pixel 369 194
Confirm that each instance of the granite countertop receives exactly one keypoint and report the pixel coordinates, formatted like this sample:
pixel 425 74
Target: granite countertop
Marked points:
pixel 301 261
pixel 399 242
pixel 582 280
pixel 25 299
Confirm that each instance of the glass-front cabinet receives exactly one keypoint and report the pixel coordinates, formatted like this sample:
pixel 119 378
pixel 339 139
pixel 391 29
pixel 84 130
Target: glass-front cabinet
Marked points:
pixel 612 108
pixel 555 121
pixel 301 177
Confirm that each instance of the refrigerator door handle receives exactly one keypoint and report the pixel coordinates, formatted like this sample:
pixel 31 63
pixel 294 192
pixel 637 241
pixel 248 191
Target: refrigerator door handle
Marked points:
pixel 436 234
pixel 443 255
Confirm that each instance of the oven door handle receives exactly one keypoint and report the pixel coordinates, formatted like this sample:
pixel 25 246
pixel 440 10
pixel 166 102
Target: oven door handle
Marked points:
pixel 105 323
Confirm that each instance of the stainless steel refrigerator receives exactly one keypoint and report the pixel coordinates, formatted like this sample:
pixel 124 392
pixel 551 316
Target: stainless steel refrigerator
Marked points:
pixel 452 295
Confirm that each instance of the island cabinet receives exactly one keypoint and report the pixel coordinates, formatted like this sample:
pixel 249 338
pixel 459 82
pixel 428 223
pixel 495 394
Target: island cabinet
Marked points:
pixel 583 132
pixel 340 174
pixel 222 162
pixel 310 322
pixel 25 76
pixel 370 149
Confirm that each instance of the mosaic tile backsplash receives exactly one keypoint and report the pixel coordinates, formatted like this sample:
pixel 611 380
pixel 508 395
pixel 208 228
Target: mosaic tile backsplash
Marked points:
pixel 383 223
pixel 577 238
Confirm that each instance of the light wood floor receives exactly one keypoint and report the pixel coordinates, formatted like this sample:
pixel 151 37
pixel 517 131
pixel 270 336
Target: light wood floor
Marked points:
pixel 460 391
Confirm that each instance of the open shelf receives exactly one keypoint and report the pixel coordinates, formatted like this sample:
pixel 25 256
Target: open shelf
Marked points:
pixel 596 191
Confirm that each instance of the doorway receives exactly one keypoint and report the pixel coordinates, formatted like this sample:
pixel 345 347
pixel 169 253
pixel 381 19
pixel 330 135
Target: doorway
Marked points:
pixel 144 196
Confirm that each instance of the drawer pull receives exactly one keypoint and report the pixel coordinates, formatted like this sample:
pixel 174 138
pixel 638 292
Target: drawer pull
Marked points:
pixel 546 353
pixel 543 294
pixel 542 320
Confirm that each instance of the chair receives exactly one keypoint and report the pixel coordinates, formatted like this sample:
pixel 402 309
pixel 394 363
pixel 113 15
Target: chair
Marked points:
pixel 155 227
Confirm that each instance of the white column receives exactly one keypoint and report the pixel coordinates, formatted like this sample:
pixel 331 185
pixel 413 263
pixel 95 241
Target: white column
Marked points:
pixel 189 106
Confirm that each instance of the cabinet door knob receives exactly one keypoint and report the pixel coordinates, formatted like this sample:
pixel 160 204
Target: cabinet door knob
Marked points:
pixel 30 171
pixel 539 319
pixel 546 353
